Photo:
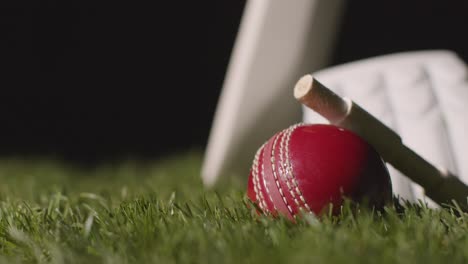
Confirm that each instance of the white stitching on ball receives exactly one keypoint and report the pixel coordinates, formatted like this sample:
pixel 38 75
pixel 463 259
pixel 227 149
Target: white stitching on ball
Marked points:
pixel 272 159
pixel 284 168
pixel 266 186
pixel 290 169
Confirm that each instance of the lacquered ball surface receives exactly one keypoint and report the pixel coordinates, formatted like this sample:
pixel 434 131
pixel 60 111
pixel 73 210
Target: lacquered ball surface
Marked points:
pixel 309 167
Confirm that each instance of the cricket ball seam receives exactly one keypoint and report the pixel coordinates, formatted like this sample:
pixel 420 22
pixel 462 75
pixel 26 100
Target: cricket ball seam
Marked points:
pixel 284 169
pixel 258 193
pixel 275 175
pixel 290 170
pixel 266 186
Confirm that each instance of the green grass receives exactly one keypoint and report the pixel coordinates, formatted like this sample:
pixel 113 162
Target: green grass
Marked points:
pixel 158 212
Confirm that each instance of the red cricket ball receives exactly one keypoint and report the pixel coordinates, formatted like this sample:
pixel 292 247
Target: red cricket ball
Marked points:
pixel 310 166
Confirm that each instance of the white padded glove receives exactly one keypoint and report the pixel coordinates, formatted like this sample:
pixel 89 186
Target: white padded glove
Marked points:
pixel 422 95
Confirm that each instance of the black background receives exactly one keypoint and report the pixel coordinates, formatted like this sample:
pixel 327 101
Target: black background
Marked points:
pixel 95 84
